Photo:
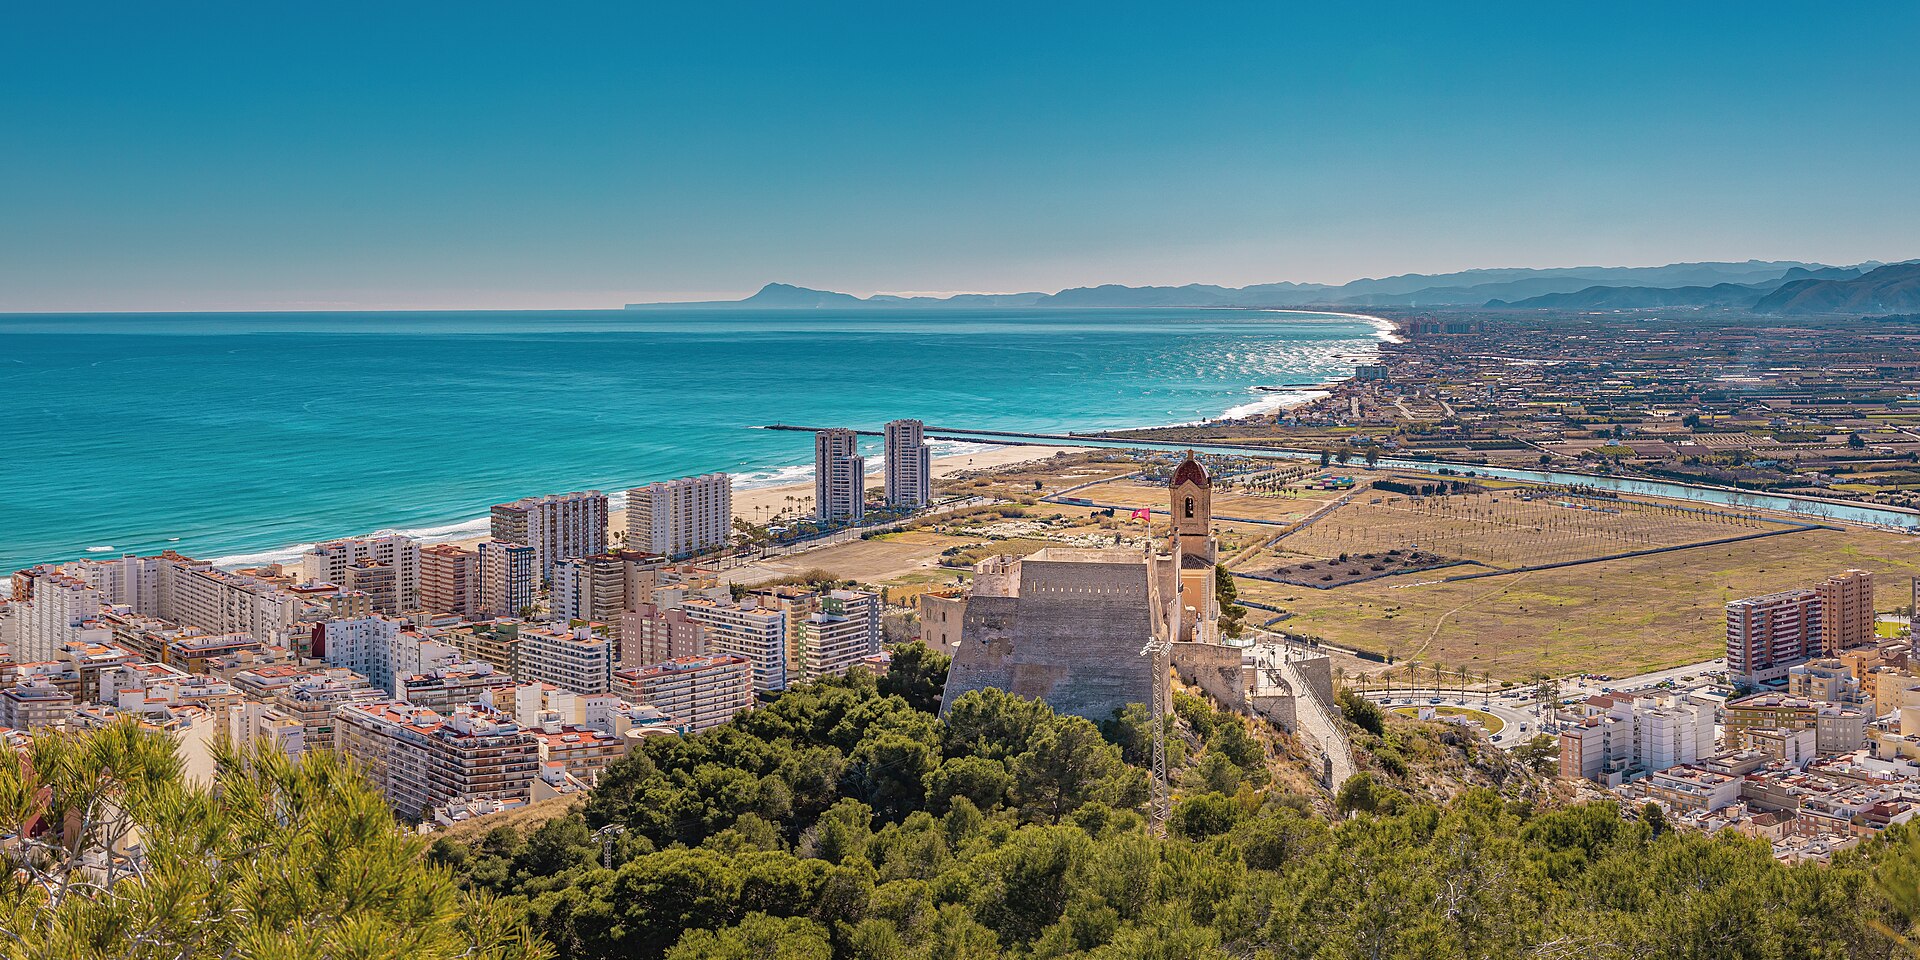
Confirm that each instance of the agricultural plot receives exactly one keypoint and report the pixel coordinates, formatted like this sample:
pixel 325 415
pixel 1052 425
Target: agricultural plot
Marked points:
pixel 1258 505
pixel 1513 528
pixel 1619 617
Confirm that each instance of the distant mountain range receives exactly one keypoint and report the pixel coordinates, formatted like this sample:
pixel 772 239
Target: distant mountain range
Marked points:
pixel 1773 286
pixel 1866 289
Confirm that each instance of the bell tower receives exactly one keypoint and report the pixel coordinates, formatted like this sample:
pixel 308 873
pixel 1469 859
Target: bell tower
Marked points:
pixel 1192 509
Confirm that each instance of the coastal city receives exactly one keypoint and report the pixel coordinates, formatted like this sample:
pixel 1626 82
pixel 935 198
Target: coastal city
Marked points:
pixel 1291 572
pixel 972 482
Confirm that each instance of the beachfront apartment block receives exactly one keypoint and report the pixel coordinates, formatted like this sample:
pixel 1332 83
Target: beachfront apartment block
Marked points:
pixel 1846 611
pixel 196 594
pixel 679 518
pixel 839 477
pixel 596 588
pixel 556 526
pixel 58 608
pixel 421 759
pixel 385 568
pixel 449 580
pixel 1768 634
pixel 571 658
pixel 843 630
pixel 697 692
pixel 909 465
pixel 507 572
pixel 755 633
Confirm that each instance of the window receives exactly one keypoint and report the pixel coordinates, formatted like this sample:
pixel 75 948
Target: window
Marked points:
pixel 1189 508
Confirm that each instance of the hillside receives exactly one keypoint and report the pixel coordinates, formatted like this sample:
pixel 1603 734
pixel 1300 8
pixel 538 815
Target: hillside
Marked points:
pixel 1894 288
pixel 845 819
pixel 1633 298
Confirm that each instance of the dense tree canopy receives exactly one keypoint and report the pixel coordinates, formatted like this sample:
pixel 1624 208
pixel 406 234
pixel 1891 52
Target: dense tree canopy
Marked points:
pixel 845 821
pixel 275 859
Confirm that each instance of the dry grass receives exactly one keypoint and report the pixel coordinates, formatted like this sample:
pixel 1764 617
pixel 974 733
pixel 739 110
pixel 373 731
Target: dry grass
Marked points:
pixel 873 560
pixel 524 819
pixel 1619 616
pixel 1502 530
pixel 1277 509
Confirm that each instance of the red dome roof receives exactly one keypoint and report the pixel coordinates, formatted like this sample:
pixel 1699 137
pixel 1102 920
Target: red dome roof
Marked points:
pixel 1190 471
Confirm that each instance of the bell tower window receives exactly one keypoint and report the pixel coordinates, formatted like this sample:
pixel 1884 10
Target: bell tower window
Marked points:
pixel 1189 508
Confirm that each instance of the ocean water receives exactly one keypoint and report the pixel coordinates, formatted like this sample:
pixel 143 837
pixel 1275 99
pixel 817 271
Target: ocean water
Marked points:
pixel 243 437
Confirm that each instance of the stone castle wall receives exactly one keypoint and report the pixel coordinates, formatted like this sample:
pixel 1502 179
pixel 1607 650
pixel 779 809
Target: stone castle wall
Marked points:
pixel 1072 637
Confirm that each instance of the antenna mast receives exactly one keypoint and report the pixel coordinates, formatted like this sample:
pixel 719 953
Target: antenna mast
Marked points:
pixel 1160 808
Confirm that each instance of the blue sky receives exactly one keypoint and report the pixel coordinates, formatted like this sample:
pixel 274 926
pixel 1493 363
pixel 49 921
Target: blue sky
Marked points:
pixel 343 155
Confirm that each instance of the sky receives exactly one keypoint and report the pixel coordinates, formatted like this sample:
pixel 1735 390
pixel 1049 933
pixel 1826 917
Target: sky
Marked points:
pixel 240 156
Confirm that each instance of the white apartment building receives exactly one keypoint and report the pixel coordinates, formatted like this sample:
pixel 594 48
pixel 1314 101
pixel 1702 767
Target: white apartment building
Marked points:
pixel 682 517
pixel 196 594
pixel 699 693
pixel 313 699
pixel 843 630
pixel 10 614
pixel 1637 734
pixel 747 630
pixel 63 609
pixel 558 526
pixel 337 562
pixel 839 477
pixel 422 760
pixel 132 580
pixel 909 469
pixel 506 577
pixel 574 659
pixel 380 649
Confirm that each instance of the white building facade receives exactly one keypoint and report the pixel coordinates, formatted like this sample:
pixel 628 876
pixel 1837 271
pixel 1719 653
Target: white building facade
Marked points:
pixel 747 630
pixel 839 477
pixel 558 526
pixel 682 517
pixel 909 469
pixel 334 561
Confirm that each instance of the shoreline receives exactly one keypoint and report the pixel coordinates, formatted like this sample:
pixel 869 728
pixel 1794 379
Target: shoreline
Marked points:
pixel 761 503
pixel 749 501
pixel 756 504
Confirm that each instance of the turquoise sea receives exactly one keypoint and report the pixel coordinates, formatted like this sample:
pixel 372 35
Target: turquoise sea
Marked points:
pixel 244 436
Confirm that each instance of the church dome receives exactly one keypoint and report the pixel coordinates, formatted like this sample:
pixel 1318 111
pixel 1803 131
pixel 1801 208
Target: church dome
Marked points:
pixel 1190 471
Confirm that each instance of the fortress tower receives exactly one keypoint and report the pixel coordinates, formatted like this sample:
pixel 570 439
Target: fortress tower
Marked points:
pixel 1066 624
pixel 1193 551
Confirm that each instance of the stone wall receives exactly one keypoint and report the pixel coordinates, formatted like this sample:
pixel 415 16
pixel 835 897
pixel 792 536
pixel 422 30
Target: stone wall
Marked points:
pixel 1217 670
pixel 1319 674
pixel 1277 707
pixel 1071 635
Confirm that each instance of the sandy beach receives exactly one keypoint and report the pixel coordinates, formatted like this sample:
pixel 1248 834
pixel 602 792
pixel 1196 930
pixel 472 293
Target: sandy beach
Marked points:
pixel 761 504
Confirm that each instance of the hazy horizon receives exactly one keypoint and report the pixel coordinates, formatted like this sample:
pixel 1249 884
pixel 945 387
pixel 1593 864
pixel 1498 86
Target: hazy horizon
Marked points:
pixel 239 157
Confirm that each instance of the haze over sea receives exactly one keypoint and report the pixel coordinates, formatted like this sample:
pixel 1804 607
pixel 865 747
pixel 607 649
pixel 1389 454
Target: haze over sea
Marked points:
pixel 246 436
